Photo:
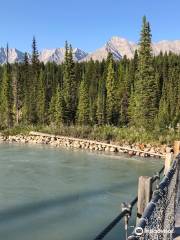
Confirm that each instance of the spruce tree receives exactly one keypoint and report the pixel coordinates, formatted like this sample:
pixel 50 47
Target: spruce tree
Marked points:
pixel 59 108
pixel 69 85
pixel 26 90
pixel 6 99
pixel 41 99
pixel 111 100
pixel 83 104
pixel 56 109
pixel 35 68
pixel 145 93
pixel 101 102
pixel 51 111
pixel 18 93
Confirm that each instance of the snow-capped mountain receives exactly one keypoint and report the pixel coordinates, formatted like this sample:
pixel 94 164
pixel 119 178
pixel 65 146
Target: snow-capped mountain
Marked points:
pixel 166 46
pixel 116 45
pixel 120 47
pixel 14 55
pixel 52 55
pixel 57 55
pixel 47 55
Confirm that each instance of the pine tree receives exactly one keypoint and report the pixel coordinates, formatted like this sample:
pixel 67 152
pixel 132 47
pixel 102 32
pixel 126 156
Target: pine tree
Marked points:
pixel 35 69
pixel 111 100
pixel 145 94
pixel 56 110
pixel 6 99
pixel 83 104
pixel 41 99
pixel 51 112
pixel 59 108
pixel 18 93
pixel 35 54
pixel 70 88
pixel 92 77
pixel 101 102
pixel 26 90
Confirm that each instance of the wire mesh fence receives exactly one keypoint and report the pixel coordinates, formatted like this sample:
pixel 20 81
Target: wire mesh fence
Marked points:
pixel 158 219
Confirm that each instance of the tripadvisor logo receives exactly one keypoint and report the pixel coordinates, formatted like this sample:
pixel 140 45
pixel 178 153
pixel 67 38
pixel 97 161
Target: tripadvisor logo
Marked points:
pixel 139 231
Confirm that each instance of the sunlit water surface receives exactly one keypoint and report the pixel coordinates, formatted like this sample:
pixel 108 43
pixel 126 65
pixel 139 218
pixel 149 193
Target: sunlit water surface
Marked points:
pixel 81 192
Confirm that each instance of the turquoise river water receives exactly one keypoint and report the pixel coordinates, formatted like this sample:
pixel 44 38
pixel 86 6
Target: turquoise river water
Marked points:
pixel 65 194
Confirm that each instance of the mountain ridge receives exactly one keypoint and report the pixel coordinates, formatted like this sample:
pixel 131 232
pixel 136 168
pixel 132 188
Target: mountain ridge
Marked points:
pixel 118 46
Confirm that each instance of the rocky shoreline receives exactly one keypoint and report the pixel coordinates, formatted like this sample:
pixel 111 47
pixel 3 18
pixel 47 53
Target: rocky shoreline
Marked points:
pixel 141 150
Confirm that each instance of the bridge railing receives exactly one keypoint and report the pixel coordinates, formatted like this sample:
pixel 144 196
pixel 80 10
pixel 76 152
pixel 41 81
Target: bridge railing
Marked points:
pixel 126 212
pixel 157 221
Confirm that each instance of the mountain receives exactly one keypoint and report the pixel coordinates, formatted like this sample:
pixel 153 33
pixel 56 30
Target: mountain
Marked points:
pixel 118 46
pixel 47 55
pixel 14 55
pixel 57 55
pixel 166 46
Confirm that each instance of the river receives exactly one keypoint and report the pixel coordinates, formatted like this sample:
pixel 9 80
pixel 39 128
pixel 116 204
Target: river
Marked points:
pixel 65 194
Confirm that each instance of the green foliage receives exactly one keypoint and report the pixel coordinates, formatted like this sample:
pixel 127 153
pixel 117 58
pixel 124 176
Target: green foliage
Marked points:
pixel 83 104
pixel 41 99
pixel 56 110
pixel 106 133
pixel 133 99
pixel 6 99
pixel 101 102
pixel 145 88
pixel 69 85
pixel 111 100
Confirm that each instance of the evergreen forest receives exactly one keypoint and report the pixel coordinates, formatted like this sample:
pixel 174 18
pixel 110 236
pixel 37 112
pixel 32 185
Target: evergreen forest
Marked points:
pixel 142 93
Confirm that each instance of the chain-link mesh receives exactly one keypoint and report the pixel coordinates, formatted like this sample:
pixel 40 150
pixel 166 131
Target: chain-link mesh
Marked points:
pixel 158 219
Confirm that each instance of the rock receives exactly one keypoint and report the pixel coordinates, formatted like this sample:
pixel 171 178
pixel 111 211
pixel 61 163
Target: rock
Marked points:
pixel 142 154
pixel 107 149
pixel 100 148
pixel 131 153
pixel 96 148
pixel 58 141
pixel 91 147
pixel 76 144
pixel 113 149
pixel 120 150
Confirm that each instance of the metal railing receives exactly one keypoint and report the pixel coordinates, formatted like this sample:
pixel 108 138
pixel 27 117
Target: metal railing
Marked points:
pixel 157 221
pixel 126 212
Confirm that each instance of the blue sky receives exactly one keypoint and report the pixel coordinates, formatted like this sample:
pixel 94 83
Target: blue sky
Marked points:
pixel 87 24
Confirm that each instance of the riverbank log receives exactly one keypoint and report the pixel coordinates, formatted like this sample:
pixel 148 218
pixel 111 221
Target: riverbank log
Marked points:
pixel 100 146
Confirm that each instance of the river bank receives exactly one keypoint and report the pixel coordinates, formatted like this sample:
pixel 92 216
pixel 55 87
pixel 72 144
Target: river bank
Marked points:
pixel 141 150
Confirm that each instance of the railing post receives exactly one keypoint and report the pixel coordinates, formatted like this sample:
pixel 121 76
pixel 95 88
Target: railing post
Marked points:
pixel 168 161
pixel 176 148
pixel 144 194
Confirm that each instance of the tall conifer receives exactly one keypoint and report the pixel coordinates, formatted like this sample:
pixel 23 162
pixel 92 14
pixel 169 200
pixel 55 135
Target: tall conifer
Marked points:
pixel 145 94
pixel 111 100
pixel 83 104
